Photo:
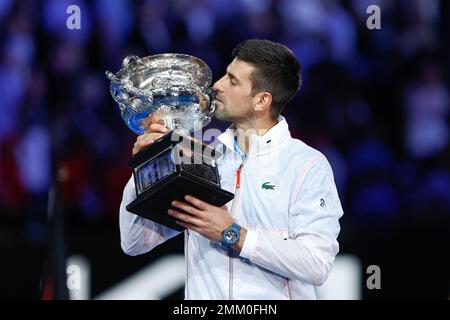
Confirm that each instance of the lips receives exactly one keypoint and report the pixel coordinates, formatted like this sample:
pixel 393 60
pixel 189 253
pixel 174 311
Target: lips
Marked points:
pixel 217 99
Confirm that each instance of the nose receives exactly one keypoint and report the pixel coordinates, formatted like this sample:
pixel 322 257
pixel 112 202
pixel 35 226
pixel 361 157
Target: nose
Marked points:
pixel 218 85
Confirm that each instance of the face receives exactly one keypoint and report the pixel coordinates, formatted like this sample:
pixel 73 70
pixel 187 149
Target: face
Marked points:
pixel 233 101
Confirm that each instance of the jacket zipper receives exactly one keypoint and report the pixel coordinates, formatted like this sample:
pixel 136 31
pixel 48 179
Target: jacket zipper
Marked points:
pixel 230 251
pixel 289 288
pixel 187 264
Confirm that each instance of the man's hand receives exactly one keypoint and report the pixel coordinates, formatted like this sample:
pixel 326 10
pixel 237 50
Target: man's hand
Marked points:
pixel 153 133
pixel 201 217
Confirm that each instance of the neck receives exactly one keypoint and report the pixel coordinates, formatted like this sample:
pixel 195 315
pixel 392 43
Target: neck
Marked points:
pixel 244 130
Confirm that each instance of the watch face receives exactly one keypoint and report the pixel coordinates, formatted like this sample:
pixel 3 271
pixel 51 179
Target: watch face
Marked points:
pixel 230 236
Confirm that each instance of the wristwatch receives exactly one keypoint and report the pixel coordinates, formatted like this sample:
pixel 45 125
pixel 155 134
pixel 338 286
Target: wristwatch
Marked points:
pixel 230 236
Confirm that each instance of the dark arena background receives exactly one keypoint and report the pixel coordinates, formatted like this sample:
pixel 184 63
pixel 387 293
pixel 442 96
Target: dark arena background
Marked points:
pixel 375 100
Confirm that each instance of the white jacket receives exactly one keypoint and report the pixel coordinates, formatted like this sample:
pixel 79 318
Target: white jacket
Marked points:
pixel 287 200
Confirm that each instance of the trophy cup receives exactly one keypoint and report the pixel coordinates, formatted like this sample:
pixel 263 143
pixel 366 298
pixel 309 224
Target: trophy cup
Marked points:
pixel 171 89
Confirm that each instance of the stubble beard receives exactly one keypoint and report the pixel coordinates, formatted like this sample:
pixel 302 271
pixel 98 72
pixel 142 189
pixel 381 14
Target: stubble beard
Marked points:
pixel 223 114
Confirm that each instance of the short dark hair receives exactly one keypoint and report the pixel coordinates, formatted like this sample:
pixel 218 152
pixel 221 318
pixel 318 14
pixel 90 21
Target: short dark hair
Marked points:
pixel 277 70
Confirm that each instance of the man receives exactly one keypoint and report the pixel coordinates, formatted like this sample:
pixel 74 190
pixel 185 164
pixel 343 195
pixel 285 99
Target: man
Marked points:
pixel 277 238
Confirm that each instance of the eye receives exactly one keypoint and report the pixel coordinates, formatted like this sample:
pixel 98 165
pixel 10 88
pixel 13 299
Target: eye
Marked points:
pixel 232 81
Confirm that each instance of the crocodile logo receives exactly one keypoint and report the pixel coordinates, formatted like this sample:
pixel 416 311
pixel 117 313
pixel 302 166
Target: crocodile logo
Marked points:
pixel 268 186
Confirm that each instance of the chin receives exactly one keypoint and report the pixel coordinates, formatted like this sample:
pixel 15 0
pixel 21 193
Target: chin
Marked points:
pixel 220 116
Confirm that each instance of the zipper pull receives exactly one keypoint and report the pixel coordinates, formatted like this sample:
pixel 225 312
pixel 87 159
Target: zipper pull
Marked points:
pixel 238 176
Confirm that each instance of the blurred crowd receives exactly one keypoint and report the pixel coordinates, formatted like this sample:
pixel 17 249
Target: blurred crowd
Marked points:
pixel 375 102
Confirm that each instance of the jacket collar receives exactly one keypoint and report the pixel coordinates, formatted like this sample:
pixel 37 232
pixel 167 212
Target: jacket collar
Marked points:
pixel 260 145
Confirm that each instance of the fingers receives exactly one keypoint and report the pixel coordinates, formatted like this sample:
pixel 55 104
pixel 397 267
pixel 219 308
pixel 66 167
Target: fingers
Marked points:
pixel 187 208
pixel 156 127
pixel 196 202
pixel 144 141
pixel 141 144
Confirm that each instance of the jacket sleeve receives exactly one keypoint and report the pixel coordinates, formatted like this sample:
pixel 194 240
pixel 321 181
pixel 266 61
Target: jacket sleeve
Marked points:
pixel 309 251
pixel 139 235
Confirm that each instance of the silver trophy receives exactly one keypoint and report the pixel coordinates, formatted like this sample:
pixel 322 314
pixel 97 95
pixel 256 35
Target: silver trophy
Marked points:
pixel 173 90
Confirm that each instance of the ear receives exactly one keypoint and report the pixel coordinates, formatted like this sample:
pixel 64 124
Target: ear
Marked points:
pixel 262 101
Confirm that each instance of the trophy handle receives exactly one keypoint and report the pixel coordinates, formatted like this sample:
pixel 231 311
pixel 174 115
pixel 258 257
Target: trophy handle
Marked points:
pixel 129 59
pixel 111 77
pixel 123 91
pixel 126 61
pixel 211 93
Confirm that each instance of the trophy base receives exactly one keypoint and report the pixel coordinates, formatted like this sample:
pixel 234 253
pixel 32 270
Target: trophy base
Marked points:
pixel 162 177
pixel 154 204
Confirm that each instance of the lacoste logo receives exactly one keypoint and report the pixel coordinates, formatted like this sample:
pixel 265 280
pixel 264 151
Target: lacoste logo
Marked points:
pixel 268 186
